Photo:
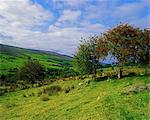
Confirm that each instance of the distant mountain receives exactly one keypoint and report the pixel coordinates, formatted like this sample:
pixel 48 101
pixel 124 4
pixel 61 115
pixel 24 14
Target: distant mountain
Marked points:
pixel 17 50
pixel 14 57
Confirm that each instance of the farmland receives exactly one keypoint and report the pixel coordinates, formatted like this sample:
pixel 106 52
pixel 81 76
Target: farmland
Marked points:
pixel 14 57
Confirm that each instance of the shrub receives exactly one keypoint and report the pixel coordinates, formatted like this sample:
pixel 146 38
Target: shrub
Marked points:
pixel 40 92
pixel 32 70
pixel 3 91
pixel 135 89
pixel 131 74
pixel 101 78
pixel 52 90
pixel 44 98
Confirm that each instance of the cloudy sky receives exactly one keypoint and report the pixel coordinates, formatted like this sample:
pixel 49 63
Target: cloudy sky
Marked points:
pixel 58 25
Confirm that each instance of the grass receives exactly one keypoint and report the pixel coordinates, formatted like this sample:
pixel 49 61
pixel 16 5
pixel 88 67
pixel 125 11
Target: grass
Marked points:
pixel 12 57
pixel 96 101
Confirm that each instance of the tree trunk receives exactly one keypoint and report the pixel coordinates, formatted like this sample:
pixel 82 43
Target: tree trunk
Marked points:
pixel 120 73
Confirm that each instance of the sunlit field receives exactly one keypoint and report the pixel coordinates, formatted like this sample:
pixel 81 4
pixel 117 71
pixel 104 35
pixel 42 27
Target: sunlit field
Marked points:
pixel 115 99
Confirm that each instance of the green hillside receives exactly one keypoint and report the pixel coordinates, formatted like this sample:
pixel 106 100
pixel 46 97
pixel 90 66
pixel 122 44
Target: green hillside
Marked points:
pixel 13 57
pixel 125 99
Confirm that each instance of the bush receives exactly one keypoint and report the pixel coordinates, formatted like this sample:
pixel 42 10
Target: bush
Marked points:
pixel 52 90
pixel 135 89
pixel 40 92
pixel 32 70
pixel 132 74
pixel 44 98
pixel 3 91
pixel 101 78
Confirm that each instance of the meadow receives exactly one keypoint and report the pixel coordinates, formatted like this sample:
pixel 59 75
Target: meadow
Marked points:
pixel 12 58
pixel 113 99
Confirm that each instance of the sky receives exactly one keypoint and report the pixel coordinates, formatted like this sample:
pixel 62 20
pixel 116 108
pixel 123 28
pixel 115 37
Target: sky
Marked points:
pixel 58 25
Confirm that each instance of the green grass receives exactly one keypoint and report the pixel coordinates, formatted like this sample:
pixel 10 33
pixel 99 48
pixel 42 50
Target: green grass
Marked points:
pixel 97 101
pixel 12 57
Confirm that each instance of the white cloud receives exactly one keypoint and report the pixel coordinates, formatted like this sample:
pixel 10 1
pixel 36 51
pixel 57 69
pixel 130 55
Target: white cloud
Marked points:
pixel 18 20
pixel 67 39
pixel 22 23
pixel 69 16
pixel 23 13
pixel 129 10
pixel 134 13
pixel 96 11
pixel 71 3
pixel 74 2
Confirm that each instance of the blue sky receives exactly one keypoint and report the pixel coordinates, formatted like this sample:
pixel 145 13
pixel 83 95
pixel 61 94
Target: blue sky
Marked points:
pixel 58 25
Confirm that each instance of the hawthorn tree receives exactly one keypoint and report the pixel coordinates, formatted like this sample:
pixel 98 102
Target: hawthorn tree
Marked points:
pixel 127 44
pixel 143 47
pixel 103 47
pixel 85 59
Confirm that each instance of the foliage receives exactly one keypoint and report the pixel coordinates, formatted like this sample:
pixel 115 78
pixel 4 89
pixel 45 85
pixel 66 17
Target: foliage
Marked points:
pixel 52 90
pixel 128 44
pixel 85 59
pixel 103 47
pixel 12 58
pixel 65 72
pixel 32 70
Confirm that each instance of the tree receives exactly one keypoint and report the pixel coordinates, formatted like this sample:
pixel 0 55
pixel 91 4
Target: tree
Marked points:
pixel 32 70
pixel 143 47
pixel 127 44
pixel 85 59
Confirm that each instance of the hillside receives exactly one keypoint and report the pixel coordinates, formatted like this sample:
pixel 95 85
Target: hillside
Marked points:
pixel 13 57
pixel 103 100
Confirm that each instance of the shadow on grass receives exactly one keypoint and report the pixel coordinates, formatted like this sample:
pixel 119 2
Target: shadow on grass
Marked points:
pixel 113 77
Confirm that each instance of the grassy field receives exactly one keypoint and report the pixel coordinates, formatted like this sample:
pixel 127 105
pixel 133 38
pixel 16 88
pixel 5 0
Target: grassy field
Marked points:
pixel 97 101
pixel 13 57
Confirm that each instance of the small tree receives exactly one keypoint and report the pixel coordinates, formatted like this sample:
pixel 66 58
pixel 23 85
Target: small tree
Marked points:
pixel 85 59
pixel 32 71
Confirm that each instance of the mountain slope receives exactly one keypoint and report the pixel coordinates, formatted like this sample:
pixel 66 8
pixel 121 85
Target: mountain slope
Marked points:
pixel 97 101
pixel 13 57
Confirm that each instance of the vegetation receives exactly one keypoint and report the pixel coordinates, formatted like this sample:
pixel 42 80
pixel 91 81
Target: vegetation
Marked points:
pixel 124 42
pixel 99 100
pixel 85 59
pixel 31 71
pixel 13 60
pixel 128 44
pixel 41 85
